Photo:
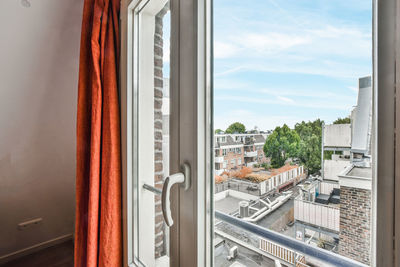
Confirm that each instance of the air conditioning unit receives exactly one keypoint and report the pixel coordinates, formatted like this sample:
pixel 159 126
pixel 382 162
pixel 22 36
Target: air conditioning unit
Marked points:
pixel 233 251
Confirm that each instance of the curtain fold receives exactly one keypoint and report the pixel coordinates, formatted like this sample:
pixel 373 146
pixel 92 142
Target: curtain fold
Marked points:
pixel 98 222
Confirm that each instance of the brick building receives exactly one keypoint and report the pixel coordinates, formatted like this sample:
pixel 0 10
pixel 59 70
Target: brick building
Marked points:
pixel 161 133
pixel 233 151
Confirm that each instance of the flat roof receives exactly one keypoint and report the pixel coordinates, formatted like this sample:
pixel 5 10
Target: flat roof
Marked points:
pixel 228 205
pixel 360 172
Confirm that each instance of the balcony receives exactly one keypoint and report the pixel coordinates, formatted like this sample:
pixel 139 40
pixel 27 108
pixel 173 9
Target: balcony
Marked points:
pixel 219 159
pixel 250 154
pixel 325 216
pixel 295 252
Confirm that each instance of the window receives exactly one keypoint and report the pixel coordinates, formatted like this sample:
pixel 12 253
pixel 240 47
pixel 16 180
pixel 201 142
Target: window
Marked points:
pixel 160 124
pixel 291 49
pixel 224 152
pixel 233 162
pixel 282 99
pixel 239 161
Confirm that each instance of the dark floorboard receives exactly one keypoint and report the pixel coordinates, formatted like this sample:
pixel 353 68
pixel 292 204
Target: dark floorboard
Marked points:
pixel 61 255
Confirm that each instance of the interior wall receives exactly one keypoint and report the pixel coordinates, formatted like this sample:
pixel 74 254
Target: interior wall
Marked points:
pixel 39 57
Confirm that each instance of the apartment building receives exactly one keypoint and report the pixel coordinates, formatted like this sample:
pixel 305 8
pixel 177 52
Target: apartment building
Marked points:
pixel 233 151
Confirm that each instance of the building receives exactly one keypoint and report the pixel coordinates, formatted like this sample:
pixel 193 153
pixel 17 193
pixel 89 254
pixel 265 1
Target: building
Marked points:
pixel 259 183
pixel 336 210
pixel 233 151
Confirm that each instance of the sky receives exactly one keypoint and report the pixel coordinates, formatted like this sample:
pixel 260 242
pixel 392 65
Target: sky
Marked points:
pixel 285 61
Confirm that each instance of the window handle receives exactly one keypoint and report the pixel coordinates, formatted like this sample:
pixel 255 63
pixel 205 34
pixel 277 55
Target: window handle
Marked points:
pixel 182 178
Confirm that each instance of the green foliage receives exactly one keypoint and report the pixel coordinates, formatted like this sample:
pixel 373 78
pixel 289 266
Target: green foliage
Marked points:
pixel 266 166
pixel 236 127
pixel 345 120
pixel 218 131
pixel 282 144
pixel 303 143
pixel 310 145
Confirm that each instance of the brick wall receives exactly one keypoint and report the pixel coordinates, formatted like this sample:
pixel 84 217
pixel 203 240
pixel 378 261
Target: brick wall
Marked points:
pixel 355 223
pixel 160 227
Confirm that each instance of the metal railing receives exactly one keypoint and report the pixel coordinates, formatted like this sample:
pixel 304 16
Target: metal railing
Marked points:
pixel 290 243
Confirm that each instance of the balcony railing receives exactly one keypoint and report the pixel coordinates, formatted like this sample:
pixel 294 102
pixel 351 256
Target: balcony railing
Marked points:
pixel 250 154
pixel 290 243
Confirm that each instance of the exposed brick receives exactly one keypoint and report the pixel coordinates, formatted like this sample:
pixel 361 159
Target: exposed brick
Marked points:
pixel 158 136
pixel 159 52
pixel 158 93
pixel 158 156
pixel 355 223
pixel 158 62
pixel 158 167
pixel 157 104
pixel 159 229
pixel 158 125
pixel 158 82
pixel 158 146
pixel 157 115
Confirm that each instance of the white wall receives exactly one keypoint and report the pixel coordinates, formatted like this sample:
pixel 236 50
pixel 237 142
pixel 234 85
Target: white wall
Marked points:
pixel 337 135
pixel 332 168
pixel 39 52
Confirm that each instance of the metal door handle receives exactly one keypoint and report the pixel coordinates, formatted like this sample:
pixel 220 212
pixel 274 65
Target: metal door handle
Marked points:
pixel 178 178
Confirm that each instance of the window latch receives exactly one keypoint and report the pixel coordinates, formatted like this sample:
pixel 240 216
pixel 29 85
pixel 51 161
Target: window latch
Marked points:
pixel 182 178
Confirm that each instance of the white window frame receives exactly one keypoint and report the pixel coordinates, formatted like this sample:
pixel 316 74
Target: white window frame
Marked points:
pixel 191 238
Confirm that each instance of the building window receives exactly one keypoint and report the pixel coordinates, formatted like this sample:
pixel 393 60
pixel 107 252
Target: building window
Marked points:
pixel 239 161
pixel 223 152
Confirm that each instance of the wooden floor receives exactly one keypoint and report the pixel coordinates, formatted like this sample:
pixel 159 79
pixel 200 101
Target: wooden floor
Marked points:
pixel 61 255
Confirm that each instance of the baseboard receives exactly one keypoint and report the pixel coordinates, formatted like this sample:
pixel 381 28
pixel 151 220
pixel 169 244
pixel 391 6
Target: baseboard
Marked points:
pixel 29 250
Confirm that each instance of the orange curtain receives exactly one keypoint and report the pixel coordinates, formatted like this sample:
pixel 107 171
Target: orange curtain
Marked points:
pixel 98 229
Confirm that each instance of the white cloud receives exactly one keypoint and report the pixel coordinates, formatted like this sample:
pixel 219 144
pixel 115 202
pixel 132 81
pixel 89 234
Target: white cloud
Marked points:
pixel 353 88
pixel 225 50
pixel 285 99
pixel 269 42
pixel 322 104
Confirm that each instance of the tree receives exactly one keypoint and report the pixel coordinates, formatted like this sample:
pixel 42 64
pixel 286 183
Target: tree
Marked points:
pixel 282 144
pixel 218 131
pixel 345 120
pixel 236 127
pixel 309 152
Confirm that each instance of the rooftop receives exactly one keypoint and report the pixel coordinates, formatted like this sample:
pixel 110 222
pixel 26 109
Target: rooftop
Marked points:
pixel 266 175
pixel 360 172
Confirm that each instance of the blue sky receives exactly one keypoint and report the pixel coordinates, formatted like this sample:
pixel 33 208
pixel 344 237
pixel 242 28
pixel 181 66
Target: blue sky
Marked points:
pixel 284 61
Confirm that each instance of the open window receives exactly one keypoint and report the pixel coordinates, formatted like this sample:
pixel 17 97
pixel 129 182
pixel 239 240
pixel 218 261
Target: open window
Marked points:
pixel 169 110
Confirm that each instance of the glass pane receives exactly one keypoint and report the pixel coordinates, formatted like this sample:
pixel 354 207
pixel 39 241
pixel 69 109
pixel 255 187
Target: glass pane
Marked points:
pixel 293 124
pixel 152 128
